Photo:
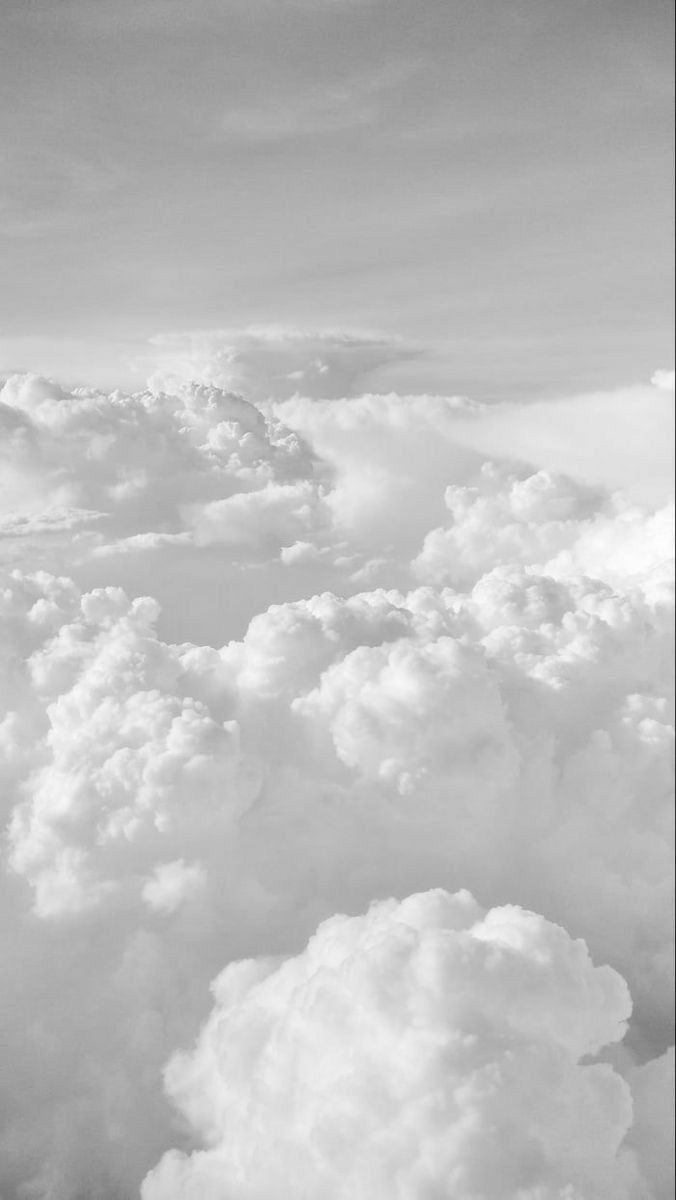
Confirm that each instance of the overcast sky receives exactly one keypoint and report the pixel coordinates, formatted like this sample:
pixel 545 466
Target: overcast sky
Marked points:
pixel 489 179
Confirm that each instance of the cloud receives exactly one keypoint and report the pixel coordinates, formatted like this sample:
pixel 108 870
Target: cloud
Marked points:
pixel 274 361
pixel 621 439
pixel 141 459
pixel 614 440
pixel 264 660
pixel 426 1048
pixel 652 1132
pixel 383 706
pixel 546 521
pixel 275 514
pixel 125 752
pixel 119 488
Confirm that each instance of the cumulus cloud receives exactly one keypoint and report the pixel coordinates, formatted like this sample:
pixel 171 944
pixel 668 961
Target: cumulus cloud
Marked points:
pixel 145 460
pixel 427 1048
pixel 266 658
pixel 383 705
pixel 124 489
pixel 545 521
pixel 129 757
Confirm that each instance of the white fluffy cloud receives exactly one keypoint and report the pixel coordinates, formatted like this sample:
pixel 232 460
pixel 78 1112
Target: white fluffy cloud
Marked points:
pixel 379 664
pixel 152 490
pixel 550 523
pixel 403 711
pixel 142 462
pixel 123 759
pixel 427 1048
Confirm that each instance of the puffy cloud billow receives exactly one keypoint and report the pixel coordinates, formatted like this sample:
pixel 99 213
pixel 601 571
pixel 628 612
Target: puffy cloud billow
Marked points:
pixel 427 1048
pixel 271 657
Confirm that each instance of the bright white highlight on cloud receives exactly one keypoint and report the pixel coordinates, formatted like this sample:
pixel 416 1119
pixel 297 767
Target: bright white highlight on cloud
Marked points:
pixel 275 648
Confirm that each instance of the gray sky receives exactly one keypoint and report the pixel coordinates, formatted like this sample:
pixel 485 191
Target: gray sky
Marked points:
pixel 491 179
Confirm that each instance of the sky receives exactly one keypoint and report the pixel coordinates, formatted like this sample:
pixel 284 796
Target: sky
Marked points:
pixel 488 181
pixel 336 601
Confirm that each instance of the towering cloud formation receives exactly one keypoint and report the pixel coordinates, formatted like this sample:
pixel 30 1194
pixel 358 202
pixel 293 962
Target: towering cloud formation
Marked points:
pixel 380 664
pixel 427 1048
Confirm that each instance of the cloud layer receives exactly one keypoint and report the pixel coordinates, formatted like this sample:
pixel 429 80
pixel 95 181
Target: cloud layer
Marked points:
pixel 271 657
